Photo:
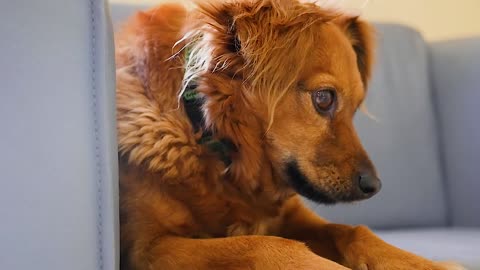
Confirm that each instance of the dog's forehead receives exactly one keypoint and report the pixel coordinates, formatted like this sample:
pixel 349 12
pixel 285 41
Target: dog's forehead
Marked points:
pixel 332 50
pixel 334 61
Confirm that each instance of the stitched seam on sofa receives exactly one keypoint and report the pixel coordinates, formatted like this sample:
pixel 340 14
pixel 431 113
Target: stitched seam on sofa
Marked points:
pixel 98 168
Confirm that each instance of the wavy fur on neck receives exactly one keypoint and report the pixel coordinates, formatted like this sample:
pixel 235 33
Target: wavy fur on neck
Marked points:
pixel 241 54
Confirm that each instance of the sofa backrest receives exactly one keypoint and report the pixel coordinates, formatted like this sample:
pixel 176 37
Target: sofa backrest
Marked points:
pixel 58 162
pixel 403 143
pixel 455 73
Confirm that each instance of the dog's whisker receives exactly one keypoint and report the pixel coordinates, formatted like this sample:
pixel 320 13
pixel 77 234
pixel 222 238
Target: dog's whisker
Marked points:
pixel 364 109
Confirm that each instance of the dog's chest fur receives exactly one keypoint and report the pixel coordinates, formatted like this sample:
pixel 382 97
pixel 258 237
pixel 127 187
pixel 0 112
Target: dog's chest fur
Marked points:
pixel 196 211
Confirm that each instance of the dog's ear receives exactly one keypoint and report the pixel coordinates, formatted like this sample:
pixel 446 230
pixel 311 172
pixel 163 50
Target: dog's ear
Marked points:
pixel 361 35
pixel 216 42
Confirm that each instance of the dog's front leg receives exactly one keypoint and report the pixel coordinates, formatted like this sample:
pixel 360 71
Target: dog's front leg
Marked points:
pixel 241 252
pixel 356 247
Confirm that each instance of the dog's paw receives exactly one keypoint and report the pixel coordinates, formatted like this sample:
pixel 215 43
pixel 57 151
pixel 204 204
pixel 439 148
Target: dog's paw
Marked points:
pixel 451 266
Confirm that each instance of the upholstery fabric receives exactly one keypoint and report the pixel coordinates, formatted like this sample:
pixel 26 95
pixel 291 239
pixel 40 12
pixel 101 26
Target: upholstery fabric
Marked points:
pixel 58 200
pixel 440 244
pixel 455 73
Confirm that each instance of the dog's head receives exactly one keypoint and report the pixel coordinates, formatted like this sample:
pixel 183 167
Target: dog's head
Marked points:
pixel 284 80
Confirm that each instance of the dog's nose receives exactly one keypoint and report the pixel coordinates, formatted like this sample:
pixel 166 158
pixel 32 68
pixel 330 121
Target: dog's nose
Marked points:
pixel 369 184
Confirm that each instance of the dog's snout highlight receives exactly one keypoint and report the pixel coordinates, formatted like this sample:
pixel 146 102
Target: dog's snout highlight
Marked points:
pixel 369 184
pixel 366 178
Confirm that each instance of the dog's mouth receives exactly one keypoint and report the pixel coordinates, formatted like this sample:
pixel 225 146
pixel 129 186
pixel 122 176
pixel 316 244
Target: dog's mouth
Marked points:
pixel 299 181
pixel 307 188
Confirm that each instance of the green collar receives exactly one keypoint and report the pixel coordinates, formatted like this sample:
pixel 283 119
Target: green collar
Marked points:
pixel 193 102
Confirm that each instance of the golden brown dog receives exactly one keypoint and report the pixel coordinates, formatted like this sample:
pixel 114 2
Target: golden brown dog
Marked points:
pixel 281 81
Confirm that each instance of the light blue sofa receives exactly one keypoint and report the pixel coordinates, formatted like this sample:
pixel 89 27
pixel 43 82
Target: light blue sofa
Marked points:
pixel 58 167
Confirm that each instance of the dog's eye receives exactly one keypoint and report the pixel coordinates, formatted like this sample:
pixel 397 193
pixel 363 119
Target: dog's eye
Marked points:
pixel 324 100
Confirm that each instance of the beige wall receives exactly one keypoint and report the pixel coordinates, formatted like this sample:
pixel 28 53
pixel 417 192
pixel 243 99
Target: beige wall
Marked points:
pixel 436 19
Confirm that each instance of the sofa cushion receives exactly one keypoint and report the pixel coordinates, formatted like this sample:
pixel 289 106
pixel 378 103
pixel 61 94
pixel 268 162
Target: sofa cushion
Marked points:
pixel 454 244
pixel 403 142
pixel 456 84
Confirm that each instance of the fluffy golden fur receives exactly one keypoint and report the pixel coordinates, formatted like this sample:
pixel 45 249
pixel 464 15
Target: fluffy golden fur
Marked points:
pixel 258 64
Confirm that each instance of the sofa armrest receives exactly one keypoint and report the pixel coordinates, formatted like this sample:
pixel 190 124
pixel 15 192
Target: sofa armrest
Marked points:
pixel 58 162
pixel 455 74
